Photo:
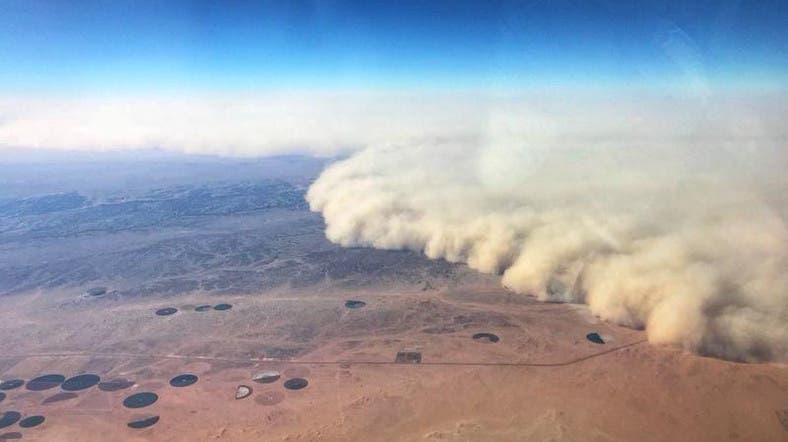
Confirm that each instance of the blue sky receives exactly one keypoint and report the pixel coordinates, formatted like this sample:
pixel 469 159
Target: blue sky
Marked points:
pixel 115 46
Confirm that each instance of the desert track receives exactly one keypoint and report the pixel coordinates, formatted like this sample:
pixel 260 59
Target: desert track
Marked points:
pixel 308 362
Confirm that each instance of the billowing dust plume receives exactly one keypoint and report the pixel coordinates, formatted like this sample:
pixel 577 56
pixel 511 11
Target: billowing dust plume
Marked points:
pixel 663 214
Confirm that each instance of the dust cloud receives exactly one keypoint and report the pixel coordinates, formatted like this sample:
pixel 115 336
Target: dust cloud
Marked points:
pixel 662 213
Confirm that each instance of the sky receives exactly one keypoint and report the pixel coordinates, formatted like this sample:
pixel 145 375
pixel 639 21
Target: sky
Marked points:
pixel 326 77
pixel 100 47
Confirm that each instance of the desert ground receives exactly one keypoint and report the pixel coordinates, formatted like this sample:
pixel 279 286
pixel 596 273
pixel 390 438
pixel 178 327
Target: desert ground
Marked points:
pixel 542 381
pixel 226 238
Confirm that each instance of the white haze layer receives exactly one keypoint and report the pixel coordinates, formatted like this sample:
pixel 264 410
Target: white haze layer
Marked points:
pixel 232 124
pixel 663 214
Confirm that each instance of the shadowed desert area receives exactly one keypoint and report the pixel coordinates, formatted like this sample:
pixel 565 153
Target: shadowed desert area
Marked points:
pixel 84 273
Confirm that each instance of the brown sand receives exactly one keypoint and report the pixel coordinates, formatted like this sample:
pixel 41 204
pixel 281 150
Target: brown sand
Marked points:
pixel 542 381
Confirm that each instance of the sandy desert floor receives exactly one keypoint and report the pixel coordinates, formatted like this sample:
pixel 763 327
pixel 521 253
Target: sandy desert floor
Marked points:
pixel 542 381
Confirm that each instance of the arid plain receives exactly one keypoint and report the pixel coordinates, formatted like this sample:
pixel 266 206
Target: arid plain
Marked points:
pixel 543 380
pixel 233 238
